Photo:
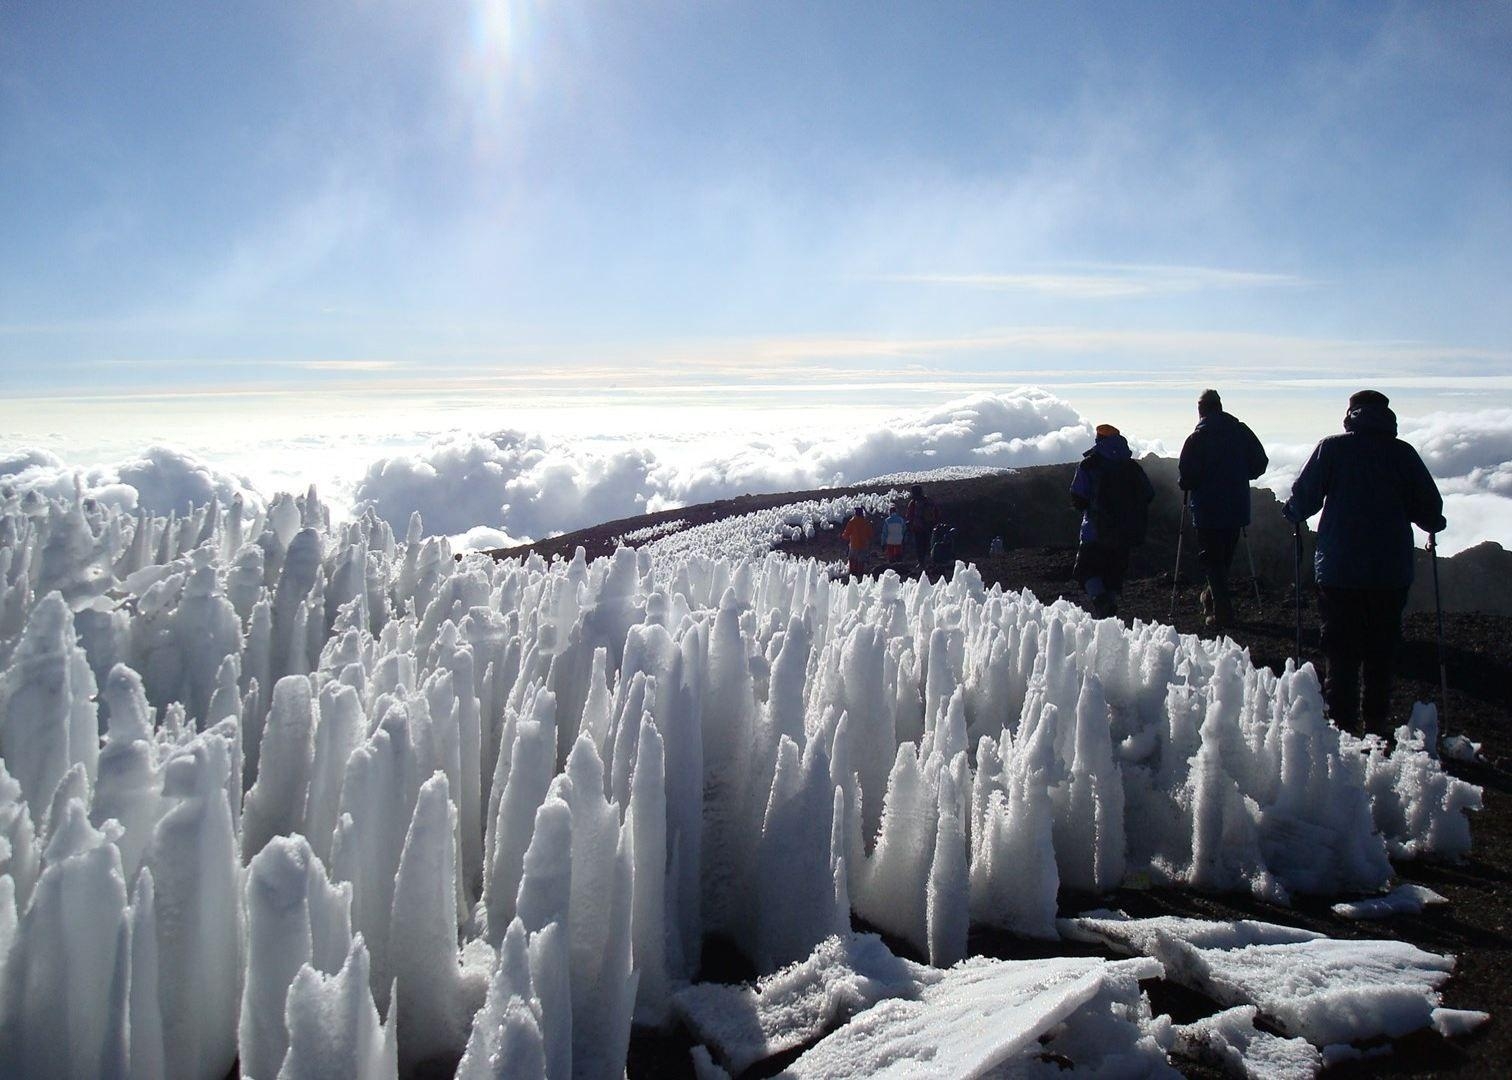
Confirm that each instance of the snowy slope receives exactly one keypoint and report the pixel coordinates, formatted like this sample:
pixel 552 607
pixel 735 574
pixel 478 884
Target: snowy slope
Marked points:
pixel 261 776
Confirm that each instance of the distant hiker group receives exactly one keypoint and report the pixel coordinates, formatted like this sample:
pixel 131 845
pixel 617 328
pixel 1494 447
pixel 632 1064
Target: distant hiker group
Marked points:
pixel 1370 486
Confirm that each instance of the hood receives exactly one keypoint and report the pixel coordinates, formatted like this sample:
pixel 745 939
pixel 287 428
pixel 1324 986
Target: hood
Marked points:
pixel 1375 419
pixel 1112 447
pixel 1215 420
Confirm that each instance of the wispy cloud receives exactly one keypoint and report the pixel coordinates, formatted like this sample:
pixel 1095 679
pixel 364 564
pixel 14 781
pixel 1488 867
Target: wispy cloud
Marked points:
pixel 1108 281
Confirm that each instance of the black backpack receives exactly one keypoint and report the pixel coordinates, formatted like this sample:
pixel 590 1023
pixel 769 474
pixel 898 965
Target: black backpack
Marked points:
pixel 942 546
pixel 1120 510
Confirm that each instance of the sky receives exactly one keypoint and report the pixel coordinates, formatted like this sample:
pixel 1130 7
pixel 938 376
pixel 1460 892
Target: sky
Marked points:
pixel 295 238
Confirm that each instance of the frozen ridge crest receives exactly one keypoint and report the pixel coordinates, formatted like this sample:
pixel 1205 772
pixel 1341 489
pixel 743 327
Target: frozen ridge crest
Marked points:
pixel 260 776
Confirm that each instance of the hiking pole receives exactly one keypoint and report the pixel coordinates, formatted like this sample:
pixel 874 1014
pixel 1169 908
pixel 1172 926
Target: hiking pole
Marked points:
pixel 1297 530
pixel 1176 573
pixel 1254 579
pixel 1438 608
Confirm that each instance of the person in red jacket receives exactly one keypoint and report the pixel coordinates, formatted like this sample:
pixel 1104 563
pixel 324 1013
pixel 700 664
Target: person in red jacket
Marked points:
pixel 858 533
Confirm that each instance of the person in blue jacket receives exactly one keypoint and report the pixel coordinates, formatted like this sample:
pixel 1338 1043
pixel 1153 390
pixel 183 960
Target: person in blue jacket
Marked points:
pixel 1218 461
pixel 1372 488
pixel 1113 493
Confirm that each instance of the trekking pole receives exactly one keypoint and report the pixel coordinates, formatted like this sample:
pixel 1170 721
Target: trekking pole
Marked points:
pixel 1297 529
pixel 1254 579
pixel 1176 573
pixel 1438 608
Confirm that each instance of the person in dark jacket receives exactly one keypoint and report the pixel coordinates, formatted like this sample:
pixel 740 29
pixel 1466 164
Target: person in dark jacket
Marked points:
pixel 1113 493
pixel 1372 488
pixel 922 515
pixel 1219 459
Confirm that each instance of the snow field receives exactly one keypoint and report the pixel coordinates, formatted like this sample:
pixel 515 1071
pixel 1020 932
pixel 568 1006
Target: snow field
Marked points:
pixel 336 804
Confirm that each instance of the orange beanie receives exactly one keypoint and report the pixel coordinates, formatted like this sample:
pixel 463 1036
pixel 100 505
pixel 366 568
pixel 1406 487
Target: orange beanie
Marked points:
pixel 1106 429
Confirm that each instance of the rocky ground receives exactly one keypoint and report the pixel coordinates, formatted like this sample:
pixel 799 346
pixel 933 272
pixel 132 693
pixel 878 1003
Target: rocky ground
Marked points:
pixel 1028 510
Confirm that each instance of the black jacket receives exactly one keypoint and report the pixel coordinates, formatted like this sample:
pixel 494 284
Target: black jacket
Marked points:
pixel 1218 461
pixel 1372 488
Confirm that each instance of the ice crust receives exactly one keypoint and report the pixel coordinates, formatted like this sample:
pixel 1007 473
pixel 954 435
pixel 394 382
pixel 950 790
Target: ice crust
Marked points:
pixel 1322 989
pixel 841 977
pixel 1405 899
pixel 257 771
pixel 987 1017
pixel 1231 1041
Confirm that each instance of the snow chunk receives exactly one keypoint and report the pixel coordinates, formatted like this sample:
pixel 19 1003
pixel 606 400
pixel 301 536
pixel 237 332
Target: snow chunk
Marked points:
pixel 982 1015
pixel 1403 900
pixel 1326 991
pixel 1231 1041
pixel 1452 1022
pixel 1143 937
pixel 841 977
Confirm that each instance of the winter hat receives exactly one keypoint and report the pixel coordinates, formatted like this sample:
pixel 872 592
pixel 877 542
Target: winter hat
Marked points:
pixel 1368 397
pixel 1106 429
pixel 1209 402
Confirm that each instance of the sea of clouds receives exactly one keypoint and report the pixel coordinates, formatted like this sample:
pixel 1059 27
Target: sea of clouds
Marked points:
pixel 509 486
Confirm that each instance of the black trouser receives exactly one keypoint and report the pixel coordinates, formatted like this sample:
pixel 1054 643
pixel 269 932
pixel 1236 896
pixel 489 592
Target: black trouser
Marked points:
pixel 1215 551
pixel 1361 631
pixel 1100 570
pixel 921 545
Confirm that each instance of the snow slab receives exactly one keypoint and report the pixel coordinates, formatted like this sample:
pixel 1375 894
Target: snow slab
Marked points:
pixel 1231 1041
pixel 1326 991
pixel 1452 1022
pixel 1141 937
pixel 1403 900
pixel 982 1015
pixel 842 976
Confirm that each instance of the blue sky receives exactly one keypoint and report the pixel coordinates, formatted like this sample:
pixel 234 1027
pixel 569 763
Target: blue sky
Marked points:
pixel 343 197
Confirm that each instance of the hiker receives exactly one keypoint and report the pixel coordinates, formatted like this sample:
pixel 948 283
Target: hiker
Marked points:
pixel 1372 488
pixel 942 547
pixel 858 532
pixel 1219 459
pixel 1113 493
pixel 922 517
pixel 894 531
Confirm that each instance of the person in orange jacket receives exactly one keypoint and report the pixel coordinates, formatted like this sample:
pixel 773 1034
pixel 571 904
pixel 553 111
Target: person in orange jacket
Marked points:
pixel 858 533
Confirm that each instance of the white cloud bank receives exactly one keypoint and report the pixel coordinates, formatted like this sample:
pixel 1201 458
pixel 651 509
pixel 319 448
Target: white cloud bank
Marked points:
pixel 159 479
pixel 491 491
pixel 527 485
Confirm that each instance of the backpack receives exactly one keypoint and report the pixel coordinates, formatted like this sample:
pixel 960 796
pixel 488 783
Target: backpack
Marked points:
pixel 1120 510
pixel 942 546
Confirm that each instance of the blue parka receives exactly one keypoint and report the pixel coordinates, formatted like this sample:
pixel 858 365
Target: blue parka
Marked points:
pixel 1372 488
pixel 1218 461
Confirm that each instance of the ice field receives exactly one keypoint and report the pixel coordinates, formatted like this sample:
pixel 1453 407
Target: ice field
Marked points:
pixel 327 802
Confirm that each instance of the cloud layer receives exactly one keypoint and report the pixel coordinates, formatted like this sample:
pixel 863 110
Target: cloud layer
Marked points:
pixel 159 479
pixel 498 489
pixel 526 485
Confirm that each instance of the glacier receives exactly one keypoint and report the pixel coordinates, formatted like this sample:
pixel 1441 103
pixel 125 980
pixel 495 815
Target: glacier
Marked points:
pixel 321 800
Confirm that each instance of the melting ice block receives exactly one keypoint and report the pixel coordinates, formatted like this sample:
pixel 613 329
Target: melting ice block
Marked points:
pixel 1231 1041
pixel 986 1014
pixel 1142 937
pixel 1326 991
pixel 1406 899
pixel 784 1010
